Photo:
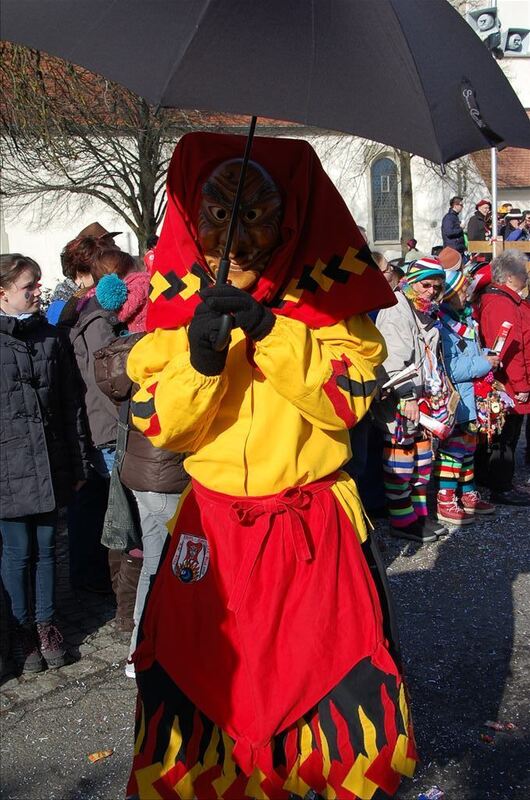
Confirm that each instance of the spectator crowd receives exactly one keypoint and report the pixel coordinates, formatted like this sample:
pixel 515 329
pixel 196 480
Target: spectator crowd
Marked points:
pixel 453 394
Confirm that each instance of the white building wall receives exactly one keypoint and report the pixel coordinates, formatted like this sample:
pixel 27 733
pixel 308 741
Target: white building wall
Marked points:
pixel 516 14
pixel 520 198
pixel 43 241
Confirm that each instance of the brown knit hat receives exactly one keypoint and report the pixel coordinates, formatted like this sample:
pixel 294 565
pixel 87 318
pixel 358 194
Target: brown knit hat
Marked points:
pixel 97 231
pixel 450 258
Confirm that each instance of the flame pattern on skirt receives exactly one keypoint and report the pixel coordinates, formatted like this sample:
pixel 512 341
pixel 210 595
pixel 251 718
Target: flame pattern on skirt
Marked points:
pixel 356 743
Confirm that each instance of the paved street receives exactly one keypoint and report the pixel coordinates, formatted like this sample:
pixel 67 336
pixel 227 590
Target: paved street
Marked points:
pixel 464 611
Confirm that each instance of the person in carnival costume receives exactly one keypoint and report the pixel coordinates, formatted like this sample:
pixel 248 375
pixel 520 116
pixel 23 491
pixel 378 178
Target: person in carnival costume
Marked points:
pixel 263 663
pixel 412 338
pixel 458 499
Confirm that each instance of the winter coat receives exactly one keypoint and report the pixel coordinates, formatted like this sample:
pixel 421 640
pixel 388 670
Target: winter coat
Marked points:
pixel 44 440
pixel 477 228
pixel 464 361
pixel 145 468
pixel 94 329
pixel 406 332
pixel 61 295
pixel 66 312
pixel 452 232
pixel 55 309
pixel 411 256
pixel 498 304
pixel 519 235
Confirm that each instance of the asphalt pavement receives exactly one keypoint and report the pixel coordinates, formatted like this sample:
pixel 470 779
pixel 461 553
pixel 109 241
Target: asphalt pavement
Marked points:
pixel 463 606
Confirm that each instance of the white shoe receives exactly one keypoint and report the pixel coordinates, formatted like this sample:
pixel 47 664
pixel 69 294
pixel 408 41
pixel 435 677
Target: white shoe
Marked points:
pixel 130 672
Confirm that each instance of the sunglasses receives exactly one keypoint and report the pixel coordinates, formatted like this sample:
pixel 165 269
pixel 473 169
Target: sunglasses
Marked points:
pixel 438 288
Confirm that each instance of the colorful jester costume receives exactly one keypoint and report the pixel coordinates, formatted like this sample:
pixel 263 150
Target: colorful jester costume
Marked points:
pixel 263 669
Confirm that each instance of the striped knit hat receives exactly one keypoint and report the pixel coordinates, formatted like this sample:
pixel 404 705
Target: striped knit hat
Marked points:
pixel 454 280
pixel 426 267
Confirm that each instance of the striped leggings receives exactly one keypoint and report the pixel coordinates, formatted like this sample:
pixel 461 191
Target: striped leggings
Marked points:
pixel 454 464
pixel 407 469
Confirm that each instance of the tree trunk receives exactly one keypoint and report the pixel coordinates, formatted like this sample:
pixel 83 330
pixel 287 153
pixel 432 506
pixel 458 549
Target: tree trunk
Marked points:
pixel 407 200
pixel 148 158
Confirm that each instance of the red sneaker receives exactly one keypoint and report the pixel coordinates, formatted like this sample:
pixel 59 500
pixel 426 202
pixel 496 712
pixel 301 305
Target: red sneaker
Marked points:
pixel 473 502
pixel 448 509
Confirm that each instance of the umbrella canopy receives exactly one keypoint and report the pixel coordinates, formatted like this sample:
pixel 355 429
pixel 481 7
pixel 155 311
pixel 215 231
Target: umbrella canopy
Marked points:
pixel 407 73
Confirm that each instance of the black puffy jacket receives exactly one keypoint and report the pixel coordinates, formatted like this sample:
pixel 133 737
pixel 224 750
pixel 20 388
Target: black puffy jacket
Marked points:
pixel 44 444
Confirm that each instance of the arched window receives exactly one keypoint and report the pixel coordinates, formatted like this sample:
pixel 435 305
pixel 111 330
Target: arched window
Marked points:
pixel 385 200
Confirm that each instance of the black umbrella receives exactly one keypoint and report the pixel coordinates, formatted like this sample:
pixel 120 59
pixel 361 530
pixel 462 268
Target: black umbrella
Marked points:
pixel 407 73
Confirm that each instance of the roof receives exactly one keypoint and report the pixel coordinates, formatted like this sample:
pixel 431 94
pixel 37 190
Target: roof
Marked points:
pixel 513 167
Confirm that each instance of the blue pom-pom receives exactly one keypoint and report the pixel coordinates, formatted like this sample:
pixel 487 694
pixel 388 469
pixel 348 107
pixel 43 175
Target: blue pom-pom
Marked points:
pixel 111 292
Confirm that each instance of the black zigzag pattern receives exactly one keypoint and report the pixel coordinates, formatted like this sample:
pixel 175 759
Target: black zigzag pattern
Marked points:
pixel 143 409
pixel 306 281
pixel 365 255
pixel 333 270
pixel 177 285
pixel 356 388
pixel 205 279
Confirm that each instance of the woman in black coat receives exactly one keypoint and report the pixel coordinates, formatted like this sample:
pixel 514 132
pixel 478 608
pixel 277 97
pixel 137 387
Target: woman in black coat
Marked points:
pixel 43 456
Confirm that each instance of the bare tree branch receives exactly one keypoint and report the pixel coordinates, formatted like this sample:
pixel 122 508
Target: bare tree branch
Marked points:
pixel 67 133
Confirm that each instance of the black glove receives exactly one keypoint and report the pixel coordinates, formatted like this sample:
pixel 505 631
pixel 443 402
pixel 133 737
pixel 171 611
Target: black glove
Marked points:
pixel 249 315
pixel 202 334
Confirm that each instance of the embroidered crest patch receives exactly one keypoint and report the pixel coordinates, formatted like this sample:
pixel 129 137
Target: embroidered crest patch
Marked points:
pixel 190 562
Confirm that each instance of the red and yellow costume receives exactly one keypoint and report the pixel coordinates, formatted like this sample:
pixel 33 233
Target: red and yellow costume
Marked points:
pixel 262 666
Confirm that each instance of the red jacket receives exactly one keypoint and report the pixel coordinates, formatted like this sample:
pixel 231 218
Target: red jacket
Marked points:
pixel 497 305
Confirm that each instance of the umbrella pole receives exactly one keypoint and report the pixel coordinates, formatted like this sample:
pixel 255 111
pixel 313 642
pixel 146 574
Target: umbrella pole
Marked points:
pixel 494 222
pixel 223 337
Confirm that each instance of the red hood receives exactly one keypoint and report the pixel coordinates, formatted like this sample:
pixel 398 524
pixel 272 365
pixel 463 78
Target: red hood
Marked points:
pixel 322 272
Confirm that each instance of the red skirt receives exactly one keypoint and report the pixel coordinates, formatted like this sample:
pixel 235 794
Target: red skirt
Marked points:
pixel 261 608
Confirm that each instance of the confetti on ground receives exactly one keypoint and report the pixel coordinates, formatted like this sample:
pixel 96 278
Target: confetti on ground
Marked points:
pixel 93 757
pixel 500 726
pixel 435 793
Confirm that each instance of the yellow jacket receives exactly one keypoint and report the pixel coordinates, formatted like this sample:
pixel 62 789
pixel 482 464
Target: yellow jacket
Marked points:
pixel 258 429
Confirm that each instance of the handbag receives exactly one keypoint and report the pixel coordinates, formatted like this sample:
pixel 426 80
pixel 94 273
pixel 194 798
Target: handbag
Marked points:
pixel 121 527
pixel 442 403
pixel 493 405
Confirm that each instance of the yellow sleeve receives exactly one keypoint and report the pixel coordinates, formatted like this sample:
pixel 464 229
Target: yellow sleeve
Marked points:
pixel 175 404
pixel 327 373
